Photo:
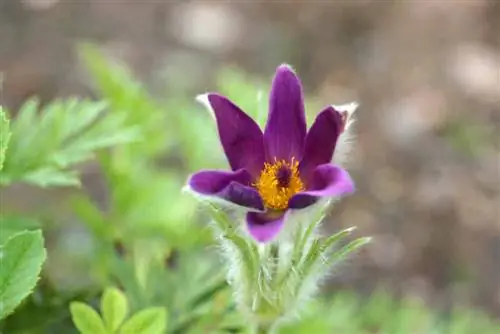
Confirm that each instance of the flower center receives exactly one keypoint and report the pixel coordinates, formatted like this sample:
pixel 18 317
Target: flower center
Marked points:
pixel 278 182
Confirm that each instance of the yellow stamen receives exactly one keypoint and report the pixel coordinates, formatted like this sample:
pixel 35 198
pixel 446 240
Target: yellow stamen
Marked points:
pixel 278 182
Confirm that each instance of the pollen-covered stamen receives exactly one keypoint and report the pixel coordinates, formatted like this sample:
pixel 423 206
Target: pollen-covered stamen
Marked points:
pixel 278 182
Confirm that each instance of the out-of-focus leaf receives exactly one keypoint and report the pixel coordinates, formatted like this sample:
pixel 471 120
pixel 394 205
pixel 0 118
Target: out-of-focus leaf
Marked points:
pixel 467 136
pixel 351 247
pixel 248 93
pixel 129 98
pixel 21 259
pixel 4 135
pixel 10 225
pixel 114 308
pixel 45 177
pixel 152 320
pixel 302 238
pixel 92 217
pixel 194 122
pixel 47 141
pixel 86 319
pixel 469 321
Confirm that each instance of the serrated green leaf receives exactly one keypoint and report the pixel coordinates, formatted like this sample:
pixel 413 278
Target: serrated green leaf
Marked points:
pixel 34 143
pixel 152 320
pixel 65 158
pixel 85 111
pixel 21 259
pixel 4 135
pixel 26 117
pixel 103 137
pixel 65 132
pixel 86 319
pixel 114 308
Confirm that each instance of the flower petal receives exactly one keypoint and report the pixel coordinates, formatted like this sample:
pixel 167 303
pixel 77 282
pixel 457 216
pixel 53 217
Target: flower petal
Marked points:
pixel 229 186
pixel 321 140
pixel 240 136
pixel 327 181
pixel 286 125
pixel 263 227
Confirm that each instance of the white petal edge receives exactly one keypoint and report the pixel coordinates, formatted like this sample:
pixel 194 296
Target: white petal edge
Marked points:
pixel 203 100
pixel 346 138
pixel 348 108
pixel 287 66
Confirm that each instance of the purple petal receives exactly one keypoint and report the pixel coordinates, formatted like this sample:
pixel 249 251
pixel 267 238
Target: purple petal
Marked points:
pixel 240 136
pixel 321 141
pixel 286 125
pixel 263 227
pixel 327 181
pixel 230 186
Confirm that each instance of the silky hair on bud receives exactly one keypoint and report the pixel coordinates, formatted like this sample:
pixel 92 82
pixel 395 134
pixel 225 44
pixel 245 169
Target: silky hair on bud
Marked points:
pixel 346 140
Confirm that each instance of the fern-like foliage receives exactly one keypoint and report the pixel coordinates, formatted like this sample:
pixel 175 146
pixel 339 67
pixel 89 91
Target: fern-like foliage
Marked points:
pixel 47 141
pixel 115 83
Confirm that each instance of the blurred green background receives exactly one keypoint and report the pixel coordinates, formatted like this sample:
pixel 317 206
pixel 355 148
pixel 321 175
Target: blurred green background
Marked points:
pixel 426 160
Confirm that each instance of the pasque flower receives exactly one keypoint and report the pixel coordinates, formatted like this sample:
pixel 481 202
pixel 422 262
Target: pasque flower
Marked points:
pixel 282 169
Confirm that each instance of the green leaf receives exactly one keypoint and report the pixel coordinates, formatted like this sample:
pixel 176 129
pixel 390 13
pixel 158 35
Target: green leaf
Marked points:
pixel 248 254
pixel 250 94
pixel 86 115
pixel 47 141
pixel 11 225
pixel 127 97
pixel 302 239
pixel 114 308
pixel 220 218
pixel 311 258
pixel 336 238
pixel 45 177
pixel 92 217
pixel 351 247
pixel 152 320
pixel 86 319
pixel 26 117
pixel 107 132
pixel 4 136
pixel 21 259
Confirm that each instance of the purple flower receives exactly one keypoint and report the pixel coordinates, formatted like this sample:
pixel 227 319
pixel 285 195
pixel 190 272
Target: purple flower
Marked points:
pixel 285 168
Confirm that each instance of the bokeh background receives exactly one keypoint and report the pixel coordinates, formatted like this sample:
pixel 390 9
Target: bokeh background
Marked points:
pixel 427 76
